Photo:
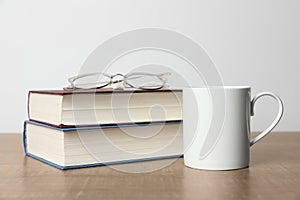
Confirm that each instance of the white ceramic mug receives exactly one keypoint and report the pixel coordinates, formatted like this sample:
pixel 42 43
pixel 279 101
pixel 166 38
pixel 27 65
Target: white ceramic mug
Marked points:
pixel 216 126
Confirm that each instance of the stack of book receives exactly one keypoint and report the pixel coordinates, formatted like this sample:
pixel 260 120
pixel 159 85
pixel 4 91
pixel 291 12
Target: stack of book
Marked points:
pixel 83 128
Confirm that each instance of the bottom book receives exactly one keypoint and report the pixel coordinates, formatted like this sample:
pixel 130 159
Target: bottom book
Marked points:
pixel 70 148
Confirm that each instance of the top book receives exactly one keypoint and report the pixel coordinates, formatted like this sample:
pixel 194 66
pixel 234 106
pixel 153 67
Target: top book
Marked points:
pixel 63 108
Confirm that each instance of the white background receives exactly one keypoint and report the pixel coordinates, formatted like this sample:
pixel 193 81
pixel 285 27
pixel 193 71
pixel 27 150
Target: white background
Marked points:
pixel 253 43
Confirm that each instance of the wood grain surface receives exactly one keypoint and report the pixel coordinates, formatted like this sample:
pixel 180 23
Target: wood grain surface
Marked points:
pixel 274 174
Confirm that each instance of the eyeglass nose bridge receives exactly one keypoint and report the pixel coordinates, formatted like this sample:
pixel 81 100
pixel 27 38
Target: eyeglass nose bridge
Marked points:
pixel 118 80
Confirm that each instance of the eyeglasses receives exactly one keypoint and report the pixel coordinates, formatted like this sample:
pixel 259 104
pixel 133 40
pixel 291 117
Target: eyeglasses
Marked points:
pixel 138 80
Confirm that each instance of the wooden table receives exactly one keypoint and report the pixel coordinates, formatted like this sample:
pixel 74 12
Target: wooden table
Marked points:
pixel 274 174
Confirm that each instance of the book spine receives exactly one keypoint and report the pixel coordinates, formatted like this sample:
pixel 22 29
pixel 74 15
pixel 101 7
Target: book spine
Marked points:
pixel 24 137
pixel 28 99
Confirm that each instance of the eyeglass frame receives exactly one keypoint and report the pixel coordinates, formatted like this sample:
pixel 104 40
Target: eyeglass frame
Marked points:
pixel 160 76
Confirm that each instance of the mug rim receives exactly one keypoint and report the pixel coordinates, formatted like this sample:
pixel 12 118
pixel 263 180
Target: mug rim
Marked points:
pixel 220 87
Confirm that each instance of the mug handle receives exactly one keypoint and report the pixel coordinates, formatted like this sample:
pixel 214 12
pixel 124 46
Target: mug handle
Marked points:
pixel 276 120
